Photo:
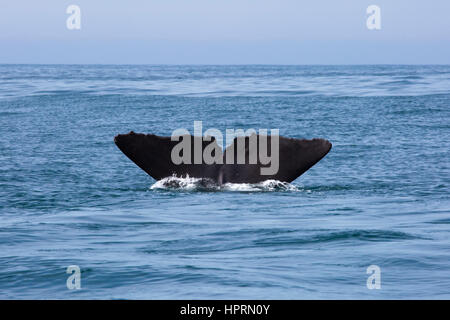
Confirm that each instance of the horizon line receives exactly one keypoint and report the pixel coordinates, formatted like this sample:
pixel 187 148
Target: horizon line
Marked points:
pixel 228 64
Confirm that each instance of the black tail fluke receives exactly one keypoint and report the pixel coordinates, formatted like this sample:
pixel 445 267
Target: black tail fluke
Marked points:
pixel 295 156
pixel 153 154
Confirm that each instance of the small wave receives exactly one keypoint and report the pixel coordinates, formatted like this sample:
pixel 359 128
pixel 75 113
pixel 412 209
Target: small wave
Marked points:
pixel 204 184
pixel 187 183
pixel 326 237
pixel 268 185
pixel 397 83
pixel 283 92
pixel 410 77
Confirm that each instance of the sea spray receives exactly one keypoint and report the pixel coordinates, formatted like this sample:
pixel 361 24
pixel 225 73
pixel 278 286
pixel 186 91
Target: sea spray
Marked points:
pixel 201 184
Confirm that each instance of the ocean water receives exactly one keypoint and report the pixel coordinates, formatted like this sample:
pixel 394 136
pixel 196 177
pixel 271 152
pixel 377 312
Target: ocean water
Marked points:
pixel 68 196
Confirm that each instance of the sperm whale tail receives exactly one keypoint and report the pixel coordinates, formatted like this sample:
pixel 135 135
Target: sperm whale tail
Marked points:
pixel 239 163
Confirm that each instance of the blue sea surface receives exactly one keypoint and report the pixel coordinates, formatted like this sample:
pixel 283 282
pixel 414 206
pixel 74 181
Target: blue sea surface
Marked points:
pixel 68 196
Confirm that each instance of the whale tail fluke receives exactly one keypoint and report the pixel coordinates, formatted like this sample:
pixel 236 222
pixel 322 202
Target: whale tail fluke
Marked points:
pixel 295 156
pixel 240 162
pixel 153 154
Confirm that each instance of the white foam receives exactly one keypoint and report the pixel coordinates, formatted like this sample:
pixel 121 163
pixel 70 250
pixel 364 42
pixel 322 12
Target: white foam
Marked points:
pixel 186 183
pixel 201 184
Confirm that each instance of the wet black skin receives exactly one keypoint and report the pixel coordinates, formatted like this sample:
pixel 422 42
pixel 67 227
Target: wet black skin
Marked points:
pixel 153 155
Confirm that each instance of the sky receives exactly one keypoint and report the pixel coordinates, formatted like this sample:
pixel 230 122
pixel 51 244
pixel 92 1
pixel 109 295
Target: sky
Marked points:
pixel 225 32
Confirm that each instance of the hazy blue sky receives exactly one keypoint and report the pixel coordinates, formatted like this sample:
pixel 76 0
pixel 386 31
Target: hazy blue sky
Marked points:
pixel 225 32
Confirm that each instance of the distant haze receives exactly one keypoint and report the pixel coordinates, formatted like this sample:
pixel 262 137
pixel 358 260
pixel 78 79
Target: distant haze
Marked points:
pixel 225 32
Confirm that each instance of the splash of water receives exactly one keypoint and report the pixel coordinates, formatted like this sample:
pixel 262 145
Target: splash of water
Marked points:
pixel 203 184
